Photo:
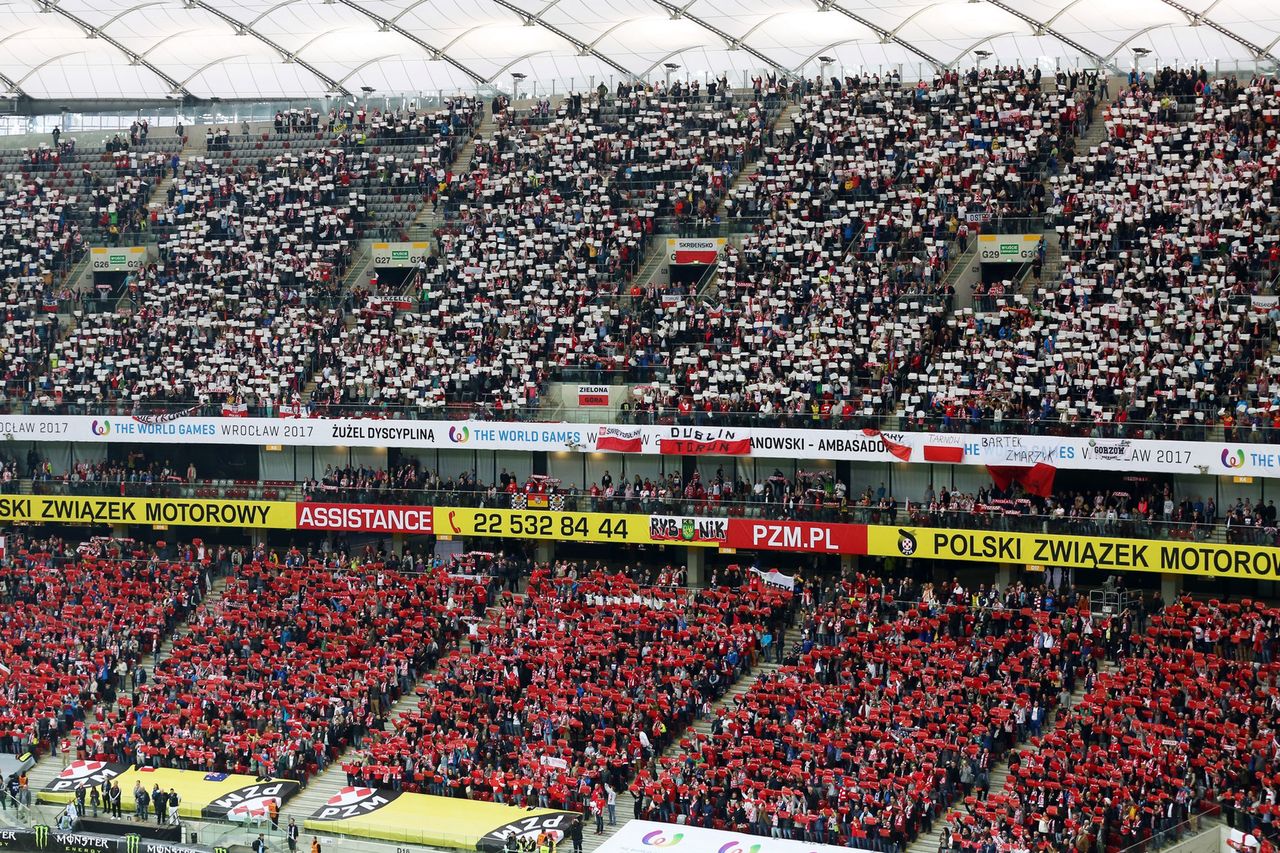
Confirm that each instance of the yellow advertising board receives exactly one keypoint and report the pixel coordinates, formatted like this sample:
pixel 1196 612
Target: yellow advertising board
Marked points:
pixel 1081 552
pixel 432 821
pixel 38 509
pixel 224 796
pixel 580 526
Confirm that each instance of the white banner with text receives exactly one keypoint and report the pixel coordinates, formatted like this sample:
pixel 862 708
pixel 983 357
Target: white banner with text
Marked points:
pixel 1098 454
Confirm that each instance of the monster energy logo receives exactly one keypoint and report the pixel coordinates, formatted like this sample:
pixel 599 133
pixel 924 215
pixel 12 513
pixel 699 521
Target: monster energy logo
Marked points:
pixel 41 831
pixel 132 843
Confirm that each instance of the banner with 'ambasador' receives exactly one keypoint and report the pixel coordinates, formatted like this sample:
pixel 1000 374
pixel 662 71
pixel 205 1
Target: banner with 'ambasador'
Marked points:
pixel 433 821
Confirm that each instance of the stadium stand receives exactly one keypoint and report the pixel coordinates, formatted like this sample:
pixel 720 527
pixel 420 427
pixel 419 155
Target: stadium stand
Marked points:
pixel 573 686
pixel 294 662
pixel 547 220
pixel 77 623
pixel 1178 725
pixel 858 206
pixel 891 710
pixel 1162 229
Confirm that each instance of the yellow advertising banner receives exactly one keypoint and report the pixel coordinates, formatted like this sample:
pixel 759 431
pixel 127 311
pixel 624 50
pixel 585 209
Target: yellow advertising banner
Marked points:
pixel 580 526
pixel 224 796
pixel 432 821
pixel 37 509
pixel 1081 552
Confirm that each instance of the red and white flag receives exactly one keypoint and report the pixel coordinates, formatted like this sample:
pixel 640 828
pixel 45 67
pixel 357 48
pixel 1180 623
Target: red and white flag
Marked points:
pixel 619 439
pixel 901 451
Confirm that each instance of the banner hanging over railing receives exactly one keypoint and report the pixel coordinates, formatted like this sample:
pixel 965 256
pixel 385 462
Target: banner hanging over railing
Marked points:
pixel 1092 454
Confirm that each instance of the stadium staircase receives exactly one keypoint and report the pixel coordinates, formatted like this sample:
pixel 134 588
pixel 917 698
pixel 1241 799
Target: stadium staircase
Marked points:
pixel 324 785
pixel 189 150
pixel 428 220
pixel 999 773
pixel 699 731
pixel 781 127
pixel 48 766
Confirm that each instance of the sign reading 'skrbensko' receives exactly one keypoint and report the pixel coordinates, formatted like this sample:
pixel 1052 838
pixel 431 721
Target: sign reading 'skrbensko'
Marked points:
pixel 893 448
pixel 1083 552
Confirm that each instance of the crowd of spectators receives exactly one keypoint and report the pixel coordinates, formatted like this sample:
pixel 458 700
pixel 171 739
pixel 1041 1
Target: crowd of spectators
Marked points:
pixel 890 708
pixel 297 660
pixel 892 703
pixel 840 292
pixel 546 220
pixel 1183 722
pixel 77 624
pixel 1166 230
pixel 570 688
pixel 835 308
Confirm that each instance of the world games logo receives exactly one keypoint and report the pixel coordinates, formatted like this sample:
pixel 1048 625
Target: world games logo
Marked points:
pixel 1232 460
pixel 735 847
pixel 100 427
pixel 658 839
pixel 459 435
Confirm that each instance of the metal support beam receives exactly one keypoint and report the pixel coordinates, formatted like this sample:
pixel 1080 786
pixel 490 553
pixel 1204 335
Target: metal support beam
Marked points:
pixel 1130 38
pixel 884 35
pixel 92 32
pixel 203 68
pixel 286 55
pixel 1197 18
pixel 667 56
pixel 977 44
pixel 515 61
pixel 388 25
pixel 129 11
pixel 11 85
pixel 732 42
pixel 584 49
pixel 1041 28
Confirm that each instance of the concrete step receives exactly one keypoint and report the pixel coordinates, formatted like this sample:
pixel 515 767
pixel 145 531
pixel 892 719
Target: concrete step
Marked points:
pixel 323 786
pixel 428 220
pixel 998 777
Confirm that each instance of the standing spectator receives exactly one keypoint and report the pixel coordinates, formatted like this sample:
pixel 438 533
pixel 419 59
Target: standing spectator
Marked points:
pixel 141 800
pixel 575 834
pixel 291 835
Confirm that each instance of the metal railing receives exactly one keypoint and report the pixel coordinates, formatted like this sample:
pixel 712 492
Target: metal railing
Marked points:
pixel 1199 430
pixel 1126 525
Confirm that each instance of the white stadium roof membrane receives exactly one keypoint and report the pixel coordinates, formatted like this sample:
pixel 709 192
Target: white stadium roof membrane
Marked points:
pixel 260 49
